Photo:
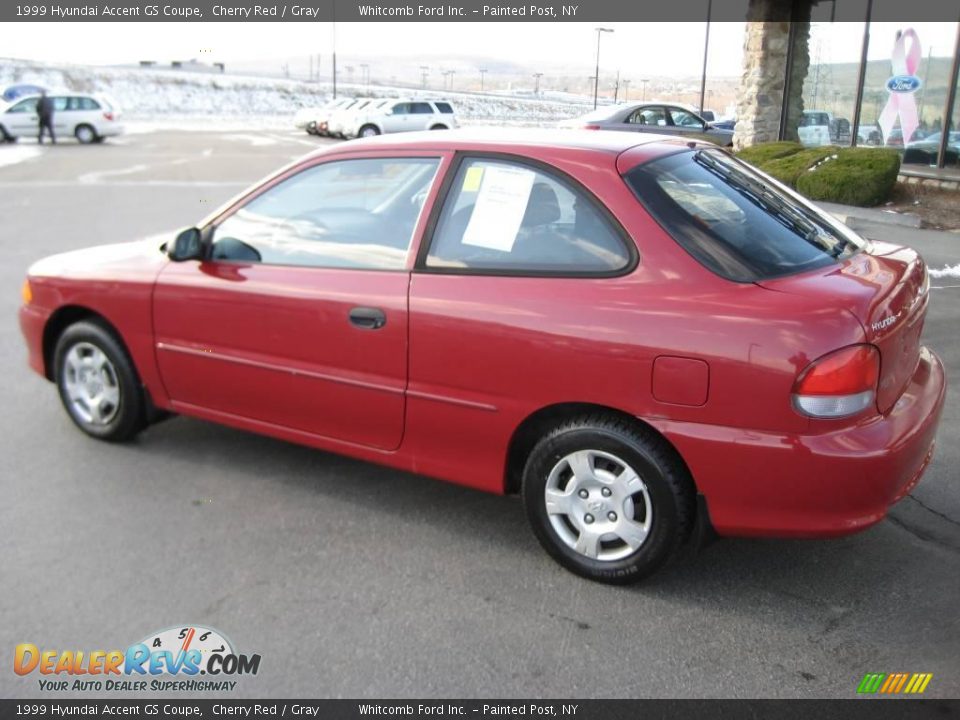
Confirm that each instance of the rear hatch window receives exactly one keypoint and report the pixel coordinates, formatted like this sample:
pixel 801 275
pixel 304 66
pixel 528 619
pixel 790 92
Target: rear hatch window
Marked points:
pixel 736 221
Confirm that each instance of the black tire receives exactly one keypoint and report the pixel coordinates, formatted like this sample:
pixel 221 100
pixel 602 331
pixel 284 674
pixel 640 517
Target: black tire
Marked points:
pixel 85 134
pixel 439 127
pixel 5 136
pixel 368 131
pixel 669 490
pixel 127 416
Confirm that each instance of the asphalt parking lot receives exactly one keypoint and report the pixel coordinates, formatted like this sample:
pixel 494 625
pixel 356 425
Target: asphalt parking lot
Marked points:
pixel 352 580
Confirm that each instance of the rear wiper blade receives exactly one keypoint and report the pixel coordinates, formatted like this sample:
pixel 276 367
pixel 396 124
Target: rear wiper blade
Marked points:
pixel 760 194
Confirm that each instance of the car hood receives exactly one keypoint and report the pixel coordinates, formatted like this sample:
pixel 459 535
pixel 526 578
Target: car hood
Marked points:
pixel 135 260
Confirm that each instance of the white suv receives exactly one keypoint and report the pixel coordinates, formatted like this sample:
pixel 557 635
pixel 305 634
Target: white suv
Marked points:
pixel 88 118
pixel 401 116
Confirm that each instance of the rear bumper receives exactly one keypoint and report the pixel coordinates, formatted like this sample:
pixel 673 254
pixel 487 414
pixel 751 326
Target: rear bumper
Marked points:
pixel 110 129
pixel 815 485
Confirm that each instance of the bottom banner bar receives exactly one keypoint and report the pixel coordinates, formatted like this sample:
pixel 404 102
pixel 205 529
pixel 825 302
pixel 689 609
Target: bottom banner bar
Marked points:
pixel 853 709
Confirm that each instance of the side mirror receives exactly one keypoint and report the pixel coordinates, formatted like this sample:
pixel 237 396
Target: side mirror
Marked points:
pixel 186 246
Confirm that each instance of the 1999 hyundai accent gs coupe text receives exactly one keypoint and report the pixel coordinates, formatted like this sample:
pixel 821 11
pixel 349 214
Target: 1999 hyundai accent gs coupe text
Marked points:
pixel 643 336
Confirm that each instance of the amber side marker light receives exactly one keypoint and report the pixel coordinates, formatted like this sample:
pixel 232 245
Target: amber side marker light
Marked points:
pixel 26 292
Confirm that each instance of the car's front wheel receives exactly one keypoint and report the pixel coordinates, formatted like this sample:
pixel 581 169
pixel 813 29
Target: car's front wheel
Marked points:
pixel 98 384
pixel 85 134
pixel 608 500
pixel 369 131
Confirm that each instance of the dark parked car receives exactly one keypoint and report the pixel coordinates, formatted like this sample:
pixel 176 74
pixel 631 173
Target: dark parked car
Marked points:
pixel 653 117
pixel 640 335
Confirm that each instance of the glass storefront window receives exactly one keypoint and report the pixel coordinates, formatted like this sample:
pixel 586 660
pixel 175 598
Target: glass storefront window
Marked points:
pixel 905 88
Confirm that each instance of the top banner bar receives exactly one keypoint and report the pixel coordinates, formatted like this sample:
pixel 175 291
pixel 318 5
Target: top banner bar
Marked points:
pixel 468 11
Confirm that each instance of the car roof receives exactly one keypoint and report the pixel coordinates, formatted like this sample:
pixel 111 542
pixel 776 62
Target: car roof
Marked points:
pixel 492 139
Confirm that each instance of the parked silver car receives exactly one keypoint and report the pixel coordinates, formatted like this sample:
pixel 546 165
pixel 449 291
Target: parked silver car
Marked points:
pixel 653 117
pixel 88 118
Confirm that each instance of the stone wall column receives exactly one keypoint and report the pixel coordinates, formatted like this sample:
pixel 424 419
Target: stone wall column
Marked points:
pixel 763 82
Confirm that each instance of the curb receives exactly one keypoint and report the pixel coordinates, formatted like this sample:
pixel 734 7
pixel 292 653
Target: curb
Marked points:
pixel 856 216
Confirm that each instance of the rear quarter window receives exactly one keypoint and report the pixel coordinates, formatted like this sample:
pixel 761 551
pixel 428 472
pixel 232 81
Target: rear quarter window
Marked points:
pixel 445 108
pixel 735 221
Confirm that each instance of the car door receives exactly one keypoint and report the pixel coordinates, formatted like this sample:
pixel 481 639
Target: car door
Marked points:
pixel 686 124
pixel 64 114
pixel 650 118
pixel 297 317
pixel 421 116
pixel 21 118
pixel 397 119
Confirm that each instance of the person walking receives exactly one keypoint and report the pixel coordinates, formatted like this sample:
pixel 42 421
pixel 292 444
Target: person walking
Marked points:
pixel 45 114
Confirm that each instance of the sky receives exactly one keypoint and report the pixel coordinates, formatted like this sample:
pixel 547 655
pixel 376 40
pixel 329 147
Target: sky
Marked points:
pixel 638 49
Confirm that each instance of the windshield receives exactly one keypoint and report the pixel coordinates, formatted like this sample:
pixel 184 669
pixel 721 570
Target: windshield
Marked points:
pixel 736 221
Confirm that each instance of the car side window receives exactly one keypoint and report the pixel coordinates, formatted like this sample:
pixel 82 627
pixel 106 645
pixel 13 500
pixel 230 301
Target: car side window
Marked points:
pixel 24 106
pixel 649 116
pixel 682 118
pixel 503 216
pixel 421 108
pixel 401 109
pixel 87 103
pixel 346 213
pixel 59 103
pixel 445 108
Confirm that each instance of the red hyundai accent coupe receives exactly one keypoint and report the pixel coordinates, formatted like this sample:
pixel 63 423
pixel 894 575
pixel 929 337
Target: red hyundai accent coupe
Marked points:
pixel 642 336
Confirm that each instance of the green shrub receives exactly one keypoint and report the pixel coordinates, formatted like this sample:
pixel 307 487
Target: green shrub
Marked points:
pixel 853 176
pixel 788 169
pixel 765 152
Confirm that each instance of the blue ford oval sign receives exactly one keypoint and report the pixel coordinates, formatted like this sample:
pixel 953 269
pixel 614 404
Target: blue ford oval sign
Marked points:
pixel 903 84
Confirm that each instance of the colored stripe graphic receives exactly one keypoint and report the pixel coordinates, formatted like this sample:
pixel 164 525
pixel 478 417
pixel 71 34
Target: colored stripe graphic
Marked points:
pixel 894 683
pixel 871 682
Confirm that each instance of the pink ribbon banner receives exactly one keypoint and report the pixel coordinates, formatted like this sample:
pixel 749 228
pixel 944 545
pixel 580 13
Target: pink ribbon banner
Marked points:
pixel 901 86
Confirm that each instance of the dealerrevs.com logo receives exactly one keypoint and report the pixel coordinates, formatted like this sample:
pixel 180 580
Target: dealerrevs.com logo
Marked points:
pixel 169 660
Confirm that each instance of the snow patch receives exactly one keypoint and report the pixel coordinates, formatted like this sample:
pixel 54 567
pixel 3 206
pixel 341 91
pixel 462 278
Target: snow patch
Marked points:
pixel 946 271
pixel 156 95
pixel 13 154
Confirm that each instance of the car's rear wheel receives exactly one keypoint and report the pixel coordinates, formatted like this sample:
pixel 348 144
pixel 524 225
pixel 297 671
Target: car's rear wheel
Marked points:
pixel 98 384
pixel 85 134
pixel 5 136
pixel 439 127
pixel 369 131
pixel 608 500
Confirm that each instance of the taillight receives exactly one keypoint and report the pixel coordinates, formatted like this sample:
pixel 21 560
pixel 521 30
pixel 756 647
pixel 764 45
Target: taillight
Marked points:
pixel 108 116
pixel 591 127
pixel 839 384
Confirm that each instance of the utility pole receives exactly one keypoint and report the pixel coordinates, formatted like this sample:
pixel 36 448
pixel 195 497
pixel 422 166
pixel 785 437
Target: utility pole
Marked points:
pixel 626 90
pixel 536 86
pixel 365 68
pixel 616 88
pixel 423 76
pixel 483 71
pixel 644 98
pixel 596 82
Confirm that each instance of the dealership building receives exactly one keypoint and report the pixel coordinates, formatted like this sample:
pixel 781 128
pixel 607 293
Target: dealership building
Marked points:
pixel 902 93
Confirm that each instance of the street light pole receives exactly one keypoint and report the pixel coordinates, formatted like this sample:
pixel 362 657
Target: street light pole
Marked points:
pixel 334 51
pixel 706 48
pixel 644 98
pixel 626 90
pixel 483 71
pixel 596 82
pixel 536 79
pixel 423 76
